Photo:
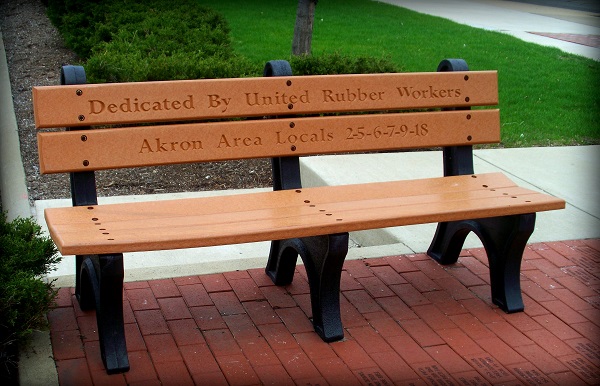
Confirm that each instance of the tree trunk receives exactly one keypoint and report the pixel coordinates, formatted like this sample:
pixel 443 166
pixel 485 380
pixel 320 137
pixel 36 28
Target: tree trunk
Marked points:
pixel 301 45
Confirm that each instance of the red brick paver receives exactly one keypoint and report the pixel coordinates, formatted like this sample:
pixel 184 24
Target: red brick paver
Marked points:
pixel 586 40
pixel 407 320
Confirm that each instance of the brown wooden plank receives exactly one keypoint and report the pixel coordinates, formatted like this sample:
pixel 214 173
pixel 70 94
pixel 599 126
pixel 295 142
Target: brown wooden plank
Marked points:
pixel 277 215
pixel 160 145
pixel 100 104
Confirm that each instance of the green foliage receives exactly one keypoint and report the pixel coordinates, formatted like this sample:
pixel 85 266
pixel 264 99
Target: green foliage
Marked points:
pixel 125 41
pixel 128 41
pixel 25 256
pixel 153 27
pixel 119 65
pixel 340 64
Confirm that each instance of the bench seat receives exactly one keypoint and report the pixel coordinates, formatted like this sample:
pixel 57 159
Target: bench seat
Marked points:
pixel 277 215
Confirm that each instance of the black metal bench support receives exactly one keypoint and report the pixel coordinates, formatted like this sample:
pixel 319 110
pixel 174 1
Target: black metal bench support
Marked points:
pixel 504 238
pixel 323 258
pixel 101 288
pixel 98 278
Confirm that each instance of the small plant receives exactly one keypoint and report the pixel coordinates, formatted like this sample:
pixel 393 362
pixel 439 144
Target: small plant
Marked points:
pixel 25 257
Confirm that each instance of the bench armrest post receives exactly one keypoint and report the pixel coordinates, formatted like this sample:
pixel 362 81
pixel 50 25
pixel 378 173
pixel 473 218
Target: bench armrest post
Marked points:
pixel 458 160
pixel 83 184
pixel 286 170
pixel 286 173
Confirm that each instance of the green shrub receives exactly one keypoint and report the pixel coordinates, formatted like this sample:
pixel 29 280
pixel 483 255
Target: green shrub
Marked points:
pixel 78 22
pixel 340 64
pixel 25 257
pixel 118 65
pixel 128 41
pixel 153 26
pixel 153 40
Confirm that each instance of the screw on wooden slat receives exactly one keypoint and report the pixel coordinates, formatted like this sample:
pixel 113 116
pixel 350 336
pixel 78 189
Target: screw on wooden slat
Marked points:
pixel 79 92
pixel 84 138
pixel 86 162
pixel 81 117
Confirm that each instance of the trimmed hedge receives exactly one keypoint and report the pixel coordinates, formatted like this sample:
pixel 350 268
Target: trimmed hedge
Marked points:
pixel 25 257
pixel 129 41
pixel 340 64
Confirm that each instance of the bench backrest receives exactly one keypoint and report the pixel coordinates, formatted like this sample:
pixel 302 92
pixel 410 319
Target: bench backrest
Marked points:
pixel 277 116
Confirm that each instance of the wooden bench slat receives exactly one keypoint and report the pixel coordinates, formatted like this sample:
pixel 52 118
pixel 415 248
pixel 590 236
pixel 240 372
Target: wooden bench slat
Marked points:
pixel 117 103
pixel 215 204
pixel 160 145
pixel 269 215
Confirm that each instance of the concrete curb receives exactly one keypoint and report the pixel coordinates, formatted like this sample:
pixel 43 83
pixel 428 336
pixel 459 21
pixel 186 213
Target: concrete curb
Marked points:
pixel 36 364
pixel 13 186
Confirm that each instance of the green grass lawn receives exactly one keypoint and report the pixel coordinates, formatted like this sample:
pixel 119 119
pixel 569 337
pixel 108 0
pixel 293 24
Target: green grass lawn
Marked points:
pixel 547 97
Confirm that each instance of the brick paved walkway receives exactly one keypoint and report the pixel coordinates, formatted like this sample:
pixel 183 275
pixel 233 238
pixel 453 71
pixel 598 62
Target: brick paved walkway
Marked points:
pixel 586 40
pixel 408 320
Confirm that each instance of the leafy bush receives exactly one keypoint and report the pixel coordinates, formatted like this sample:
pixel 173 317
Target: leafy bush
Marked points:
pixel 340 64
pixel 118 65
pixel 25 256
pixel 129 41
pixel 153 26
pixel 125 41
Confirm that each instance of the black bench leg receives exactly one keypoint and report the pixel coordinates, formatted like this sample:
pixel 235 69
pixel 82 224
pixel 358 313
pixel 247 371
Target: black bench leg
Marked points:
pixel 282 261
pixel 101 288
pixel 504 239
pixel 323 258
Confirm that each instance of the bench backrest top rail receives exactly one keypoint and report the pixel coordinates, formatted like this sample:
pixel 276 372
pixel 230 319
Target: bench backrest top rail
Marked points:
pixel 73 151
pixel 124 103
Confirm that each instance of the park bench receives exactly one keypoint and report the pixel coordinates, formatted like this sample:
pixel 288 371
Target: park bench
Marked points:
pixel 281 117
